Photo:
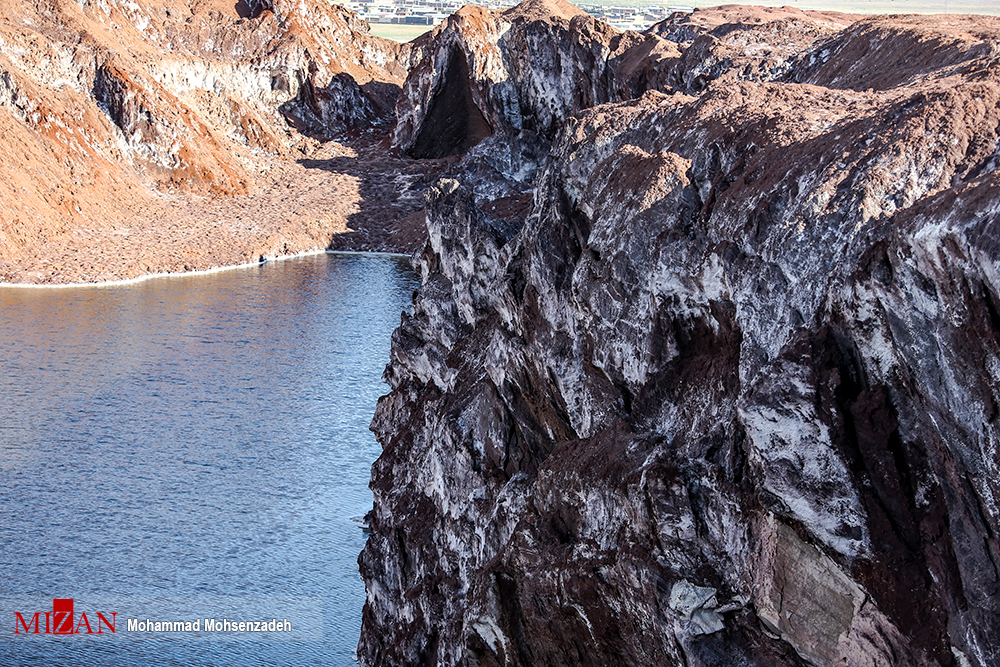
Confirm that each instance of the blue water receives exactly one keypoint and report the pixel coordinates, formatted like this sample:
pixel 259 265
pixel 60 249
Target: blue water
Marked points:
pixel 193 447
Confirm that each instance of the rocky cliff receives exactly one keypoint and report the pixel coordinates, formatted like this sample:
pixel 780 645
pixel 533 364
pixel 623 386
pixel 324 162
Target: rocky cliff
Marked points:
pixel 728 393
pixel 112 110
pixel 521 70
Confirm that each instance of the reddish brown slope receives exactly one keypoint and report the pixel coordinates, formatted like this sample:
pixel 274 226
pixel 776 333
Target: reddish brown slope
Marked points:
pixel 118 116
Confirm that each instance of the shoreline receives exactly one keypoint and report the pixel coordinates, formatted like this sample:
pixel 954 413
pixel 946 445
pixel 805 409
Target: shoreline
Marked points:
pixel 199 272
pixel 345 194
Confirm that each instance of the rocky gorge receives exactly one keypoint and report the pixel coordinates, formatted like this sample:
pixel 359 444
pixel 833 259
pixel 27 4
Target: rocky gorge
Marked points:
pixel 705 363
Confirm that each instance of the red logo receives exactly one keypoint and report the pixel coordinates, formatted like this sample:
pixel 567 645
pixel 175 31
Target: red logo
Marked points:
pixel 60 621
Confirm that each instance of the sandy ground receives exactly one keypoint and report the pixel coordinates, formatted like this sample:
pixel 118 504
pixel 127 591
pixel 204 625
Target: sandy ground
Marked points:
pixel 398 32
pixel 352 194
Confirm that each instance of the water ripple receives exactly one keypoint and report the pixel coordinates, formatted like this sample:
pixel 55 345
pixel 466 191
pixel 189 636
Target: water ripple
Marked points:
pixel 194 440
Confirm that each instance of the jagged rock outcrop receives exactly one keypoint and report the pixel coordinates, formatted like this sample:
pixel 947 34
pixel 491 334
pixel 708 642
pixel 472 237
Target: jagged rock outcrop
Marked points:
pixel 524 69
pixel 727 395
pixel 532 66
pixel 784 30
pixel 740 43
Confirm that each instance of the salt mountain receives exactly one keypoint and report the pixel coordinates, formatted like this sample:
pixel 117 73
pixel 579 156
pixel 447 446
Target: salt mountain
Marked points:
pixel 727 392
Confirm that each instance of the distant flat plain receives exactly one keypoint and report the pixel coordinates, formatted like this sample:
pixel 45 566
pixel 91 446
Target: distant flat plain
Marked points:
pixel 990 7
pixel 404 33
pixel 397 32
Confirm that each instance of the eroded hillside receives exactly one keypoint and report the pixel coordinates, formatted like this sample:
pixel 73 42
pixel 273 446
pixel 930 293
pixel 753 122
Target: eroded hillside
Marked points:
pixel 143 137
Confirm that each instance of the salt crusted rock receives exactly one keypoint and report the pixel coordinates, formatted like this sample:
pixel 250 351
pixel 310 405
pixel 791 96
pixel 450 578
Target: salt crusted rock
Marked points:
pixel 737 43
pixel 523 69
pixel 738 366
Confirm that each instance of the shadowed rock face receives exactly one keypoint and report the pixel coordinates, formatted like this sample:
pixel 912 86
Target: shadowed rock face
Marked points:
pixel 726 395
pixel 454 123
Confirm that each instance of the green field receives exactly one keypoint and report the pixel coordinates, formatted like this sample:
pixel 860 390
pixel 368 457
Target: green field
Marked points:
pixel 397 32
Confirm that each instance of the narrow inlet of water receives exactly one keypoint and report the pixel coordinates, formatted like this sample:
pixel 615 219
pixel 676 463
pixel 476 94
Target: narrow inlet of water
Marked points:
pixel 192 448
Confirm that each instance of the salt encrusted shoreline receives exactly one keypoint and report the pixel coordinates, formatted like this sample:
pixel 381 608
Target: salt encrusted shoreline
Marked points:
pixel 217 269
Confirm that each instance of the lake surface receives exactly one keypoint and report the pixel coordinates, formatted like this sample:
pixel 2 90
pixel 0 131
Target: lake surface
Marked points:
pixel 193 447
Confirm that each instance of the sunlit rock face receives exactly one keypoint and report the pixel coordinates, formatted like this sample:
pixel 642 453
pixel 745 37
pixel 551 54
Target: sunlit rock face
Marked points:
pixel 105 104
pixel 523 69
pixel 727 394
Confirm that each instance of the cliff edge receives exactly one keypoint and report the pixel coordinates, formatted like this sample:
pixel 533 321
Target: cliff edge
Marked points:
pixel 728 393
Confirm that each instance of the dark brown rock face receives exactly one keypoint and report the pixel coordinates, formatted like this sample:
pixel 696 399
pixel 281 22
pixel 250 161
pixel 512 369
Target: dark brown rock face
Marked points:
pixel 727 395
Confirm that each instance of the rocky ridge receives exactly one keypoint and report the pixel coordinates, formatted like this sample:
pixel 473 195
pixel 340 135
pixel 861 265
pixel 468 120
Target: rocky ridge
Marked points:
pixel 525 69
pixel 505 82
pixel 727 393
